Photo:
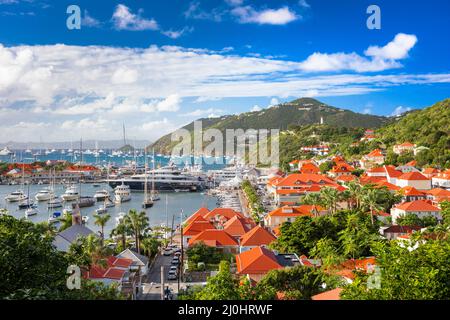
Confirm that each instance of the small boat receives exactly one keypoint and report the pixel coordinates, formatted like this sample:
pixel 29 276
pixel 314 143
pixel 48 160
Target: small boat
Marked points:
pixel 147 203
pixel 68 210
pixel 101 210
pixel 44 195
pixel 26 205
pixel 122 193
pixel 31 212
pixel 96 185
pixel 101 195
pixel 54 218
pixel 85 219
pixel 55 203
pixel 16 196
pixel 109 204
pixel 71 194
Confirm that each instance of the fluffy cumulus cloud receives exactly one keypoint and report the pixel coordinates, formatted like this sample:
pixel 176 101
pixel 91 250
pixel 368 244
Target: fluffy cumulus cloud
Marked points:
pixel 65 86
pixel 124 19
pixel 281 16
pixel 376 58
pixel 400 110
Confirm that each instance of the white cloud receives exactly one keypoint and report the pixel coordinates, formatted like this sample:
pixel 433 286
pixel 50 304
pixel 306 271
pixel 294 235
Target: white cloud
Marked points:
pixel 195 12
pixel 274 102
pixel 234 2
pixel 203 112
pixel 124 19
pixel 381 58
pixel 281 16
pixel 399 110
pixel 394 50
pixel 304 4
pixel 124 76
pixel 175 34
pixel 255 108
pixel 89 21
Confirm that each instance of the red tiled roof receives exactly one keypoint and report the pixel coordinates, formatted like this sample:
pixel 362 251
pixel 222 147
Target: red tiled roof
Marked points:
pixel 328 295
pixel 413 176
pixel 411 191
pixel 412 163
pixel 196 227
pixel 258 236
pixel 237 226
pixel 114 273
pixel 375 153
pixel 438 192
pixel 376 170
pixel 200 212
pixel 302 210
pixel 346 178
pixel 224 212
pixel 391 172
pixel 258 260
pixel 418 205
pixel 305 179
pixel 214 237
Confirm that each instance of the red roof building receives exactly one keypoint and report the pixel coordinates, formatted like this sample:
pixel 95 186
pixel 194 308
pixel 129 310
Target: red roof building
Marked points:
pixel 216 238
pixel 421 208
pixel 286 213
pixel 258 236
pixel 256 262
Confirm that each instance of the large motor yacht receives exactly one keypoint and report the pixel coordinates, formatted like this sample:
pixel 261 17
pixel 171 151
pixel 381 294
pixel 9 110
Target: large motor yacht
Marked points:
pixel 122 193
pixel 168 178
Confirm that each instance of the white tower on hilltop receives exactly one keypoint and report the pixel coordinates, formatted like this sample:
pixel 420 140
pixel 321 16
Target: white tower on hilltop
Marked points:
pixel 321 120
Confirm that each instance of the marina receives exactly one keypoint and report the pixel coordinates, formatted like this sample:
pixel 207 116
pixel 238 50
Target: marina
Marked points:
pixel 158 214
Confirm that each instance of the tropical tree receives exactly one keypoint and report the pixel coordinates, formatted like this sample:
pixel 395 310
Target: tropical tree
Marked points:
pixel 150 245
pixel 330 198
pixel 138 223
pixel 89 251
pixel 370 201
pixel 122 230
pixel 65 221
pixel 354 190
pixel 313 198
pixel 101 221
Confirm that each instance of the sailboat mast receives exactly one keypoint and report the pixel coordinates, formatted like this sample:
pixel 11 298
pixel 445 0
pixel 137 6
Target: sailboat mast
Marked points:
pixel 145 174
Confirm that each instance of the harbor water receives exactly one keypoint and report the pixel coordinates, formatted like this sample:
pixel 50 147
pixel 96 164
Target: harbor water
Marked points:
pixel 158 214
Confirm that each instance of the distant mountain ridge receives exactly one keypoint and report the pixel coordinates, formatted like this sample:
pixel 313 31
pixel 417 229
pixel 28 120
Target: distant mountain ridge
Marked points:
pixel 303 111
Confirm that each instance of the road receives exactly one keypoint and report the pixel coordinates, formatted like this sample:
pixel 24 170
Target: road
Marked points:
pixel 152 286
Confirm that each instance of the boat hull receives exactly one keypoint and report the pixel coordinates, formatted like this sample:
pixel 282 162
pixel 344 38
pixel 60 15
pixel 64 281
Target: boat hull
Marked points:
pixel 159 186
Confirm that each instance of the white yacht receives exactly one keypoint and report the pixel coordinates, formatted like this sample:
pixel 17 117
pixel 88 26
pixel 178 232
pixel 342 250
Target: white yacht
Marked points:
pixel 122 193
pixel 45 195
pixel 71 194
pixel 31 212
pixel 168 178
pixel 16 196
pixel 55 203
pixel 5 152
pixel 101 195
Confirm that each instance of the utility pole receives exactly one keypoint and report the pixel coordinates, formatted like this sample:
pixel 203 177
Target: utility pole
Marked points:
pixel 180 273
pixel 162 282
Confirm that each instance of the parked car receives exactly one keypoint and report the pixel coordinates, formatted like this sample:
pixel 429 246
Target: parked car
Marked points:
pixel 172 277
pixel 173 268
pixel 167 252
pixel 175 262
pixel 177 254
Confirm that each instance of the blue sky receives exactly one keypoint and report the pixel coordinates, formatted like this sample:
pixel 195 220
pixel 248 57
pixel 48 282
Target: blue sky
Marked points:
pixel 157 65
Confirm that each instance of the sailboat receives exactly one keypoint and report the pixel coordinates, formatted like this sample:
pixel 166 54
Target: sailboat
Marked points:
pixel 148 201
pixel 27 204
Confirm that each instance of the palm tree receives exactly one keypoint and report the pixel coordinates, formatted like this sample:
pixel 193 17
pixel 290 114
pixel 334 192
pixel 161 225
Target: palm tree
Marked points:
pixel 101 221
pixel 89 251
pixel 66 221
pixel 150 245
pixel 138 223
pixel 330 197
pixel 370 201
pixel 121 230
pixel 354 190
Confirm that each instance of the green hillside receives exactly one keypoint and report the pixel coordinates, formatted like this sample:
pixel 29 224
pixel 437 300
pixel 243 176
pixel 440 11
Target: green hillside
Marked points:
pixel 300 112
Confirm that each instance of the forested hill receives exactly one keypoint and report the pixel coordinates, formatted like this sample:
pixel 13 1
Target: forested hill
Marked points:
pixel 304 111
